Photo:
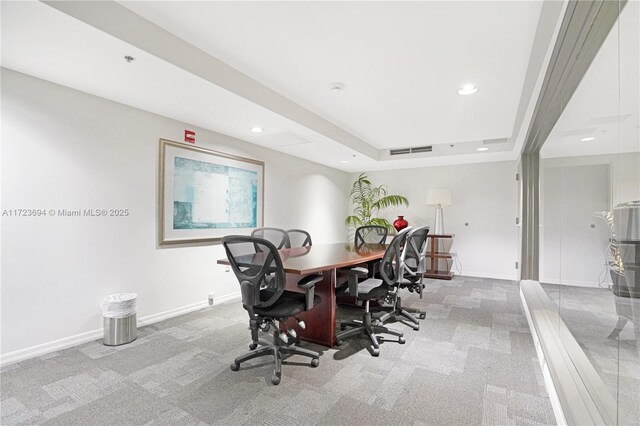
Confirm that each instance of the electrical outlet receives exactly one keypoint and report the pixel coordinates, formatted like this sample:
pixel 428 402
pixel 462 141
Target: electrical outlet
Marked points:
pixel 211 297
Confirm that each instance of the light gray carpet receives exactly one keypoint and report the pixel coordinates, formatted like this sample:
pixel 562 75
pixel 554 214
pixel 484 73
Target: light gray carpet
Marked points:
pixel 590 315
pixel 472 362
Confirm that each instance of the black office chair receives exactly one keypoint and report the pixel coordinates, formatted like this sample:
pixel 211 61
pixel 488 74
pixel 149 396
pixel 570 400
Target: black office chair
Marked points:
pixel 412 263
pixel 262 282
pixel 368 234
pixel 376 289
pixel 299 238
pixel 371 234
pixel 276 236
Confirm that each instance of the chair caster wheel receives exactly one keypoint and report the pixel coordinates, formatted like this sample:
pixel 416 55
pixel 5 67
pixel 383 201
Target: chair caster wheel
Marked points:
pixel 252 346
pixel 275 380
pixel 315 362
pixel 338 342
pixel 343 327
pixel 401 340
pixel 376 352
pixel 235 366
pixel 423 316
pixel 416 327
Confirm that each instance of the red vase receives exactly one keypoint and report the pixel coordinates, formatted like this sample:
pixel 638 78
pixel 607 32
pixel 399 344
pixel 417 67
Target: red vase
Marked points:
pixel 400 223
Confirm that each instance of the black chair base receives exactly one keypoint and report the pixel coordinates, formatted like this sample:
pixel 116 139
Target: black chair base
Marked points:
pixel 403 315
pixel 278 349
pixel 354 328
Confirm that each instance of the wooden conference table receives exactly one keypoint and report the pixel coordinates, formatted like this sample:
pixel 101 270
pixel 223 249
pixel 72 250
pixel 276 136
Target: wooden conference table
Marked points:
pixel 326 259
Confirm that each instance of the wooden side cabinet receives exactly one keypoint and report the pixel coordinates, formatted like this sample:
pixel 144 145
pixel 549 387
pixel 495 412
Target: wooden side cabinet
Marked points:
pixel 439 257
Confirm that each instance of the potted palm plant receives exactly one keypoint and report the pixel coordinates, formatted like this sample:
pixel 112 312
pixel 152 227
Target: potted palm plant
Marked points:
pixel 368 201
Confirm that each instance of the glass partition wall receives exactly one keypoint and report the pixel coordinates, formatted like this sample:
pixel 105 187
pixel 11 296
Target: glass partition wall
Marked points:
pixel 589 236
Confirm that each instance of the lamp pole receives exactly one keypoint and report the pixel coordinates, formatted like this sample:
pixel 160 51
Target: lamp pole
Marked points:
pixel 439 225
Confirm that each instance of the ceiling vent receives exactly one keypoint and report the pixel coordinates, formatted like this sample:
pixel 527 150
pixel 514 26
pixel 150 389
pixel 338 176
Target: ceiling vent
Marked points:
pixel 420 149
pixel 414 150
pixel 494 141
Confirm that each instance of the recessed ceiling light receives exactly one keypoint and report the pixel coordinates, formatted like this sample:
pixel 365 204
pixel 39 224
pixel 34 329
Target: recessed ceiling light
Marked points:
pixel 257 129
pixel 467 89
pixel 587 139
pixel 484 148
pixel 129 58
pixel 337 87
pixel 344 161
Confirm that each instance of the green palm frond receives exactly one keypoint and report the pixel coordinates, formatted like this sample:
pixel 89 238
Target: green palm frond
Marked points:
pixel 381 222
pixel 354 221
pixel 361 187
pixel 391 201
pixel 380 191
pixel 368 200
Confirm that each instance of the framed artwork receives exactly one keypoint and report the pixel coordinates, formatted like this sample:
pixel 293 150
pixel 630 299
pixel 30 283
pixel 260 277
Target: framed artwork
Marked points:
pixel 205 195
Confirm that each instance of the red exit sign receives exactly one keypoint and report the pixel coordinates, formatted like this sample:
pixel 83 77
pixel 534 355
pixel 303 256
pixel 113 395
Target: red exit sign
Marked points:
pixel 190 136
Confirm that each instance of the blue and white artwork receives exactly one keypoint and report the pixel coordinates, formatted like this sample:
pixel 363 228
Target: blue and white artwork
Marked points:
pixel 212 196
pixel 205 194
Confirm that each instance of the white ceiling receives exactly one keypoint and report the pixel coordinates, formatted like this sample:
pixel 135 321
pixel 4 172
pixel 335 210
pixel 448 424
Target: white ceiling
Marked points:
pixel 64 50
pixel 606 104
pixel 401 62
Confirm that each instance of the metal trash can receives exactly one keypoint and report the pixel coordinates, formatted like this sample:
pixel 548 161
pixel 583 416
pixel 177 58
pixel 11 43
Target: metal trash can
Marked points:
pixel 119 319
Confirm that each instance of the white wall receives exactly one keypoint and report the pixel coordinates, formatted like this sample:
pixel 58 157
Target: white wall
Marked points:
pixel 570 252
pixel 572 241
pixel 65 149
pixel 484 196
pixel 625 172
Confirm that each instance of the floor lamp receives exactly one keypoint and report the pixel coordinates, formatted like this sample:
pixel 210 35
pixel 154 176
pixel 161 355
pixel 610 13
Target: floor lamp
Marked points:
pixel 438 198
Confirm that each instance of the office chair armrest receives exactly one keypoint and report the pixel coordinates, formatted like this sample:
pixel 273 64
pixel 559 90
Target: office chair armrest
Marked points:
pixel 250 292
pixel 308 283
pixel 353 284
pixel 357 270
pixel 353 273
pixel 408 271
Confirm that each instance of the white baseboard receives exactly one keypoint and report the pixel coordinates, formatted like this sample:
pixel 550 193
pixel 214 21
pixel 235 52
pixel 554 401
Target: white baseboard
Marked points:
pixel 574 283
pixel 67 342
pixel 486 275
pixel 150 319
pixel 45 348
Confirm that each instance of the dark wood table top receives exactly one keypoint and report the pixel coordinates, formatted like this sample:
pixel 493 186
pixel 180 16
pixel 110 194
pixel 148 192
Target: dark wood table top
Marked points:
pixel 319 257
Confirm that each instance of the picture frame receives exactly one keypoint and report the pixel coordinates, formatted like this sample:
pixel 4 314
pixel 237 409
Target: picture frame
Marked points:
pixel 206 194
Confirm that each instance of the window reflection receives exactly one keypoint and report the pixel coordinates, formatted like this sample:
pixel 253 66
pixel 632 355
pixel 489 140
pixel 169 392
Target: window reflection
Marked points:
pixel 590 214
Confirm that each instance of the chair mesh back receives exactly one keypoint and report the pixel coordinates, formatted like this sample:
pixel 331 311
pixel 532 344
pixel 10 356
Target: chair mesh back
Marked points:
pixel 390 265
pixel 371 234
pixel 277 237
pixel 414 248
pixel 258 267
pixel 299 238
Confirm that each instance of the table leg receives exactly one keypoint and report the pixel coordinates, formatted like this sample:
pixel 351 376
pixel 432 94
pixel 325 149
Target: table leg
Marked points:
pixel 321 320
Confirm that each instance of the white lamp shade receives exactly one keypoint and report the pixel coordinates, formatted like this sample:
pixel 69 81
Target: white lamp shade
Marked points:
pixel 438 197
